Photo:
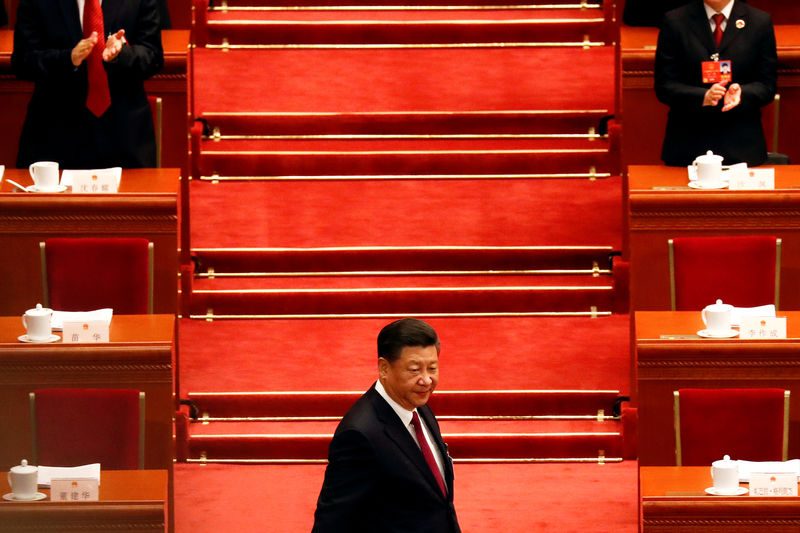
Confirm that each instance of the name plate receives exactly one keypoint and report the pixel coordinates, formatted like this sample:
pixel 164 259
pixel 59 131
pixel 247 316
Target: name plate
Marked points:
pixel 74 490
pixel 96 181
pixel 752 179
pixel 756 327
pixel 773 484
pixel 86 332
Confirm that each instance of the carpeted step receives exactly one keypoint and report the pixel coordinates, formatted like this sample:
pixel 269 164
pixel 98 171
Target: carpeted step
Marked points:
pixel 231 5
pixel 462 446
pixel 477 122
pixel 360 282
pixel 446 403
pixel 402 301
pixel 543 260
pixel 489 498
pixel 553 27
pixel 418 81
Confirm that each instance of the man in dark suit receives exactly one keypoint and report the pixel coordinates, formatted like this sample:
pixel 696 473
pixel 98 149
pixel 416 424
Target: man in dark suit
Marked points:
pixel 387 471
pixel 51 50
pixel 724 117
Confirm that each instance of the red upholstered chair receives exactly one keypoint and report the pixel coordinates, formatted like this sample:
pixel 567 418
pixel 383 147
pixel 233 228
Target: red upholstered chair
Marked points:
pixel 749 424
pixel 85 274
pixel 72 427
pixel 741 271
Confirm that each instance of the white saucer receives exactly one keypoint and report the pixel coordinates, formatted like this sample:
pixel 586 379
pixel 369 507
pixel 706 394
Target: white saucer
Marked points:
pixel 34 188
pixel 24 338
pixel 718 185
pixel 724 335
pixel 36 497
pixel 740 491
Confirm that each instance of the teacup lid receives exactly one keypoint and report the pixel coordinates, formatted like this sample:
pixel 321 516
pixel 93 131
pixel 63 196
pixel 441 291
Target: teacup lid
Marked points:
pixel 24 468
pixel 719 306
pixel 725 462
pixel 39 311
pixel 709 157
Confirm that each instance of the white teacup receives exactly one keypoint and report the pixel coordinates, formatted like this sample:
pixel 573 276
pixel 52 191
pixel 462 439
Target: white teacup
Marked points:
pixel 37 323
pixel 708 168
pixel 717 317
pixel 44 175
pixel 725 474
pixel 24 480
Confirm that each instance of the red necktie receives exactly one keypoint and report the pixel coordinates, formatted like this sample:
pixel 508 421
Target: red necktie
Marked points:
pixel 426 451
pixel 718 19
pixel 98 98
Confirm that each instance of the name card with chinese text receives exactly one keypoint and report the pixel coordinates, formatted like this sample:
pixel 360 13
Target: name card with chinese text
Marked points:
pixel 773 484
pixel 755 327
pixel 97 181
pixel 74 490
pixel 752 179
pixel 90 331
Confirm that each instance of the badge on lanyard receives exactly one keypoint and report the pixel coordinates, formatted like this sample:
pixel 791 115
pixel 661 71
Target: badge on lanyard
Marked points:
pixel 717 71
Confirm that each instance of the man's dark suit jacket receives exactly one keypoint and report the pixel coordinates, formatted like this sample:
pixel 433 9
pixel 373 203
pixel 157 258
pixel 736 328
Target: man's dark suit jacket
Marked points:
pixel 684 42
pixel 58 126
pixel 377 479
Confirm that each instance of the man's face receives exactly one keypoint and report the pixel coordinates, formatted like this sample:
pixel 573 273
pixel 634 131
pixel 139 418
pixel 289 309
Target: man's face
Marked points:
pixel 716 5
pixel 411 378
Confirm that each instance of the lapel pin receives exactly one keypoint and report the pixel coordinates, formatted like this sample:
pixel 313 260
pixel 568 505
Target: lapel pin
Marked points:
pixel 740 23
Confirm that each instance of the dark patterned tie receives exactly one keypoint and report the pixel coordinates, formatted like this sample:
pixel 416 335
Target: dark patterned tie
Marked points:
pixel 426 451
pixel 718 19
pixel 98 98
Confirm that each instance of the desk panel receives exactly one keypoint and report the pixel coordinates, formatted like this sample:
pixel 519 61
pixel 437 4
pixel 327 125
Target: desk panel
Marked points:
pixel 146 206
pixel 661 206
pixel 666 365
pixel 130 500
pixel 673 501
pixel 139 356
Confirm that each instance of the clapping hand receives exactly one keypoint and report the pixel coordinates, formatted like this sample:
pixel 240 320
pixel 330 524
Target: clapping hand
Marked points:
pixel 113 46
pixel 83 49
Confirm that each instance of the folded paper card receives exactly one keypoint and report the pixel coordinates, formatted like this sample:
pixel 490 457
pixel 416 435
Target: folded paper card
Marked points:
pixel 59 317
pixel 47 473
pixel 761 310
pixel 748 467
pixel 99 180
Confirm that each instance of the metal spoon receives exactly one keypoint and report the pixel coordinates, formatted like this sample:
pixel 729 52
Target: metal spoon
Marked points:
pixel 17 185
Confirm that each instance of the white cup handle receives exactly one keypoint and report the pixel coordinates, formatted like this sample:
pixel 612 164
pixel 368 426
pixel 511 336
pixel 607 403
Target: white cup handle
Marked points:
pixel 703 314
pixel 30 170
pixel 24 323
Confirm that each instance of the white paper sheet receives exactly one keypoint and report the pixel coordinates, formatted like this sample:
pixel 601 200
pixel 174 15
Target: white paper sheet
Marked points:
pixel 59 317
pixel 745 467
pixel 46 473
pixel 761 310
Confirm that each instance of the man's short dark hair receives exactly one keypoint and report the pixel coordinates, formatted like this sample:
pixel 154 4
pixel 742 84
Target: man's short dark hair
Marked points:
pixel 405 332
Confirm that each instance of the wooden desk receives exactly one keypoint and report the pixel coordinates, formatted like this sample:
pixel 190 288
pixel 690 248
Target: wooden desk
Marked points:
pixel 170 84
pixel 644 118
pixel 665 365
pixel 146 206
pixel 130 500
pixel 654 216
pixel 673 501
pixel 139 356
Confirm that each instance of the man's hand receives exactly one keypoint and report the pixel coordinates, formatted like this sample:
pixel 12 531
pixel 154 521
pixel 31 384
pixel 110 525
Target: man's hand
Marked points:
pixel 113 46
pixel 732 97
pixel 715 93
pixel 83 49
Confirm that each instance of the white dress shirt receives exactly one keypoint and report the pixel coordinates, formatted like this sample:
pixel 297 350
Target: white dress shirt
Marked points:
pixel 725 11
pixel 405 417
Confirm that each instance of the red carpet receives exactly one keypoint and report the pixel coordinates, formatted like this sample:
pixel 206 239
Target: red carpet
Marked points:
pixel 561 498
pixel 403 80
pixel 339 354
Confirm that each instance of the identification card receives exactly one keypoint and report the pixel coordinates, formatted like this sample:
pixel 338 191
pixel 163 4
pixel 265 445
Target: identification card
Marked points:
pixel 773 484
pixel 716 71
pixel 759 327
pixel 74 490
pixel 90 331
pixel 752 179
